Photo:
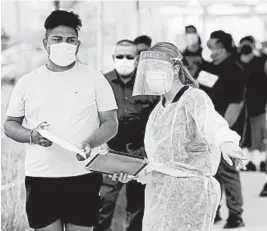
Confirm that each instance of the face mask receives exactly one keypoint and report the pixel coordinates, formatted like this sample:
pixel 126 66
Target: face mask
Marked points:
pixel 124 66
pixel 206 54
pixel 191 39
pixel 217 55
pixel 246 50
pixel 63 54
pixel 159 81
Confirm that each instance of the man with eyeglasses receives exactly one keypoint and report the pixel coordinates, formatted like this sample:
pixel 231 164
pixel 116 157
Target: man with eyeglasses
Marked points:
pixel 133 113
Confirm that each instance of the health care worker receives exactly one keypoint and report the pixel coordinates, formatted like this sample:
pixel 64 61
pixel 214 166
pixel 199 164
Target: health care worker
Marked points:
pixel 184 140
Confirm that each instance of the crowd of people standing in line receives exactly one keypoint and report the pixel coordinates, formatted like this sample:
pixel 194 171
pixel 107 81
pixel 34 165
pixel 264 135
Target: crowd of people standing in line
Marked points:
pixel 242 84
pixel 251 80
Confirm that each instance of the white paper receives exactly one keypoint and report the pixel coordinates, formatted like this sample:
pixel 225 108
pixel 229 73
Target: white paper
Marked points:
pixel 207 79
pixel 64 144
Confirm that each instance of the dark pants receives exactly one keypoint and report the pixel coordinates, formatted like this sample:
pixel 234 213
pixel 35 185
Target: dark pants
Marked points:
pixel 229 180
pixel 135 204
pixel 229 177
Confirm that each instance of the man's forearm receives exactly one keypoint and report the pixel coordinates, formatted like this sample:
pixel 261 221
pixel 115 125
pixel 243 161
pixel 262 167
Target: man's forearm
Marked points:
pixel 103 134
pixel 17 132
pixel 208 67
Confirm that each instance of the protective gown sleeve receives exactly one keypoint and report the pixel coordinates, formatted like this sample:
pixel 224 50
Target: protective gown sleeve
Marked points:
pixel 211 125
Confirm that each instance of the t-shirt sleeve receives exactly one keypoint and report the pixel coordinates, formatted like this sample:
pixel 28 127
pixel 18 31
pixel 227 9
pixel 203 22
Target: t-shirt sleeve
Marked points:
pixel 16 107
pixel 237 77
pixel 105 98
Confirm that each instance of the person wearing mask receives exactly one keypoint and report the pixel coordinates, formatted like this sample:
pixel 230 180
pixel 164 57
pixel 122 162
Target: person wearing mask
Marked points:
pixel 183 140
pixel 256 97
pixel 227 96
pixel 193 50
pixel 250 40
pixel 143 43
pixel 133 113
pixel 76 103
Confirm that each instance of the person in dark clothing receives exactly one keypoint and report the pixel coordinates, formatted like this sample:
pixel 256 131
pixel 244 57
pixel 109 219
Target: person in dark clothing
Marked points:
pixel 256 97
pixel 227 92
pixel 143 43
pixel 133 113
pixel 193 50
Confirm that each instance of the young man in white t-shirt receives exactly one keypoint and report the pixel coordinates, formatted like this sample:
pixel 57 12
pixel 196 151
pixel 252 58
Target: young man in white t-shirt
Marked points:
pixel 75 103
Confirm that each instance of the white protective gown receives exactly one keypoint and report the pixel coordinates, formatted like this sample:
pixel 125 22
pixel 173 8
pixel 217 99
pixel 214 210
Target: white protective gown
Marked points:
pixel 182 143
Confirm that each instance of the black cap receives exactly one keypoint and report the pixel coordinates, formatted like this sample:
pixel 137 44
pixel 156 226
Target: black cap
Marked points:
pixel 249 39
pixel 225 39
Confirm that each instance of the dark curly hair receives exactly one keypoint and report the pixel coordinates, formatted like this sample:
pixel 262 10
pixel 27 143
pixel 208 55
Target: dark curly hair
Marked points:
pixel 143 39
pixel 63 18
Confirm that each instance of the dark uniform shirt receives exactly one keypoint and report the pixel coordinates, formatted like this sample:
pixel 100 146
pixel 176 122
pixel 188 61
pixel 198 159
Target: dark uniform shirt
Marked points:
pixel 256 84
pixel 230 85
pixel 133 113
pixel 228 89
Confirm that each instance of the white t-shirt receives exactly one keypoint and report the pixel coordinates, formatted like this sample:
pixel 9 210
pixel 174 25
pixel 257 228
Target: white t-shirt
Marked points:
pixel 69 101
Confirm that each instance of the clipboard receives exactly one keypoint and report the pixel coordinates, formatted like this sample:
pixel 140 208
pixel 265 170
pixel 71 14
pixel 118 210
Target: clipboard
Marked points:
pixel 116 162
pixel 207 79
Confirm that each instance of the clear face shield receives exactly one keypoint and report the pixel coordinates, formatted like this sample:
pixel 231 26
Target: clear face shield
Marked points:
pixel 154 75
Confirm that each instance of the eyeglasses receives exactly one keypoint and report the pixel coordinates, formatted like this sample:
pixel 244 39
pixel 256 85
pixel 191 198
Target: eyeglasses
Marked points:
pixel 129 57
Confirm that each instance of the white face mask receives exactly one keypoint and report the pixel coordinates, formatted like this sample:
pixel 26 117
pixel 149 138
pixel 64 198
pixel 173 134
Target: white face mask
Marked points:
pixel 206 54
pixel 63 54
pixel 191 39
pixel 124 66
pixel 159 81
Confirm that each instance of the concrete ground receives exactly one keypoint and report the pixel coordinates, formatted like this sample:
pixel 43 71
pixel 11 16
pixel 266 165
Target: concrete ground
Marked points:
pixel 255 207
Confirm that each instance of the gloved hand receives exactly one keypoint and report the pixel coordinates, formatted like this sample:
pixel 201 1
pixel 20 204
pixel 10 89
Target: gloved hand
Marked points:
pixel 233 153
